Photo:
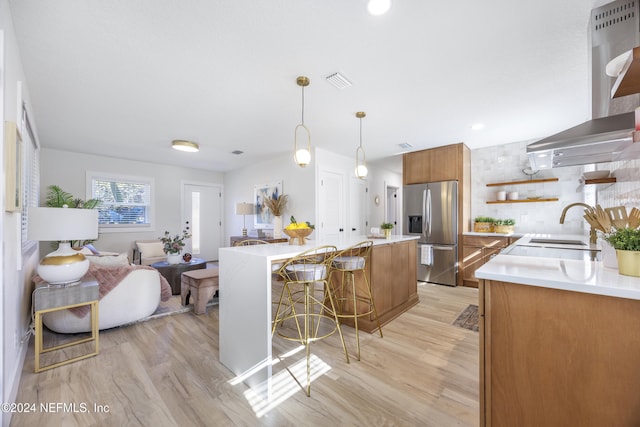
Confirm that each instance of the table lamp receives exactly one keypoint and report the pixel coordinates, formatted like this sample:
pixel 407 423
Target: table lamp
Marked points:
pixel 65 265
pixel 244 209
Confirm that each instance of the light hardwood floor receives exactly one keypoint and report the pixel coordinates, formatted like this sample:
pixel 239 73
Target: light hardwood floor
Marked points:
pixel 165 372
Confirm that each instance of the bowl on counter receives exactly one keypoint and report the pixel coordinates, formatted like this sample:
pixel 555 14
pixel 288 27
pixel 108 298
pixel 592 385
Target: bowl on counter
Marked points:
pixel 596 174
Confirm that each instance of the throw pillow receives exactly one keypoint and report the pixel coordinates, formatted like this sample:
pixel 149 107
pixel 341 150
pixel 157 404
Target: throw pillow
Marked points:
pixel 152 249
pixel 109 261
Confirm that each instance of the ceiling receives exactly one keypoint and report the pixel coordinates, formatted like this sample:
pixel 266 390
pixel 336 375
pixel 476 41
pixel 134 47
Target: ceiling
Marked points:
pixel 125 78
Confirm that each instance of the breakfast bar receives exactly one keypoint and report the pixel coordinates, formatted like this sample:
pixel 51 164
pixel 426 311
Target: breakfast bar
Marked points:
pixel 245 295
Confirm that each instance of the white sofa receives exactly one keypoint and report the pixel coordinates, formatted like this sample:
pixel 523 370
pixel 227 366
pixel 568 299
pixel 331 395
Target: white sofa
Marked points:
pixel 135 297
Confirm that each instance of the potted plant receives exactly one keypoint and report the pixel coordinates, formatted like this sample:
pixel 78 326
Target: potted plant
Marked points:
pixel 504 226
pixel 172 245
pixel 626 242
pixel 386 229
pixel 483 224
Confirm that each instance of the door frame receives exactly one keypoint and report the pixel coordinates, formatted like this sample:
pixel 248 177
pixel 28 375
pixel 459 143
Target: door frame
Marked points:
pixel 186 182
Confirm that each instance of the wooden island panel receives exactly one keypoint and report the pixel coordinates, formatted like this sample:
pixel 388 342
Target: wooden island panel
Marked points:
pixel 552 357
pixel 392 273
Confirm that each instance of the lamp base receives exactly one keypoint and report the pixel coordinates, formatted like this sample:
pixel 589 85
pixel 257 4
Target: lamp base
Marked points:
pixel 63 266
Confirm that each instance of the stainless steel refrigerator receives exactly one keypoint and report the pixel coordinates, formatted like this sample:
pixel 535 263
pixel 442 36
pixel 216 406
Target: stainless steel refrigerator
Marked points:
pixel 431 212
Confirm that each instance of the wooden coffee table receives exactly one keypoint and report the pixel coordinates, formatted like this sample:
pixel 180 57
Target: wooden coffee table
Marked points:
pixel 173 272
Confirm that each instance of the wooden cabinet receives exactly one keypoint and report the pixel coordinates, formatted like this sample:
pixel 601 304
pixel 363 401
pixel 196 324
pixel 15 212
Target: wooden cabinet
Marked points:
pixel 551 357
pixel 392 274
pixel 476 251
pixel 433 165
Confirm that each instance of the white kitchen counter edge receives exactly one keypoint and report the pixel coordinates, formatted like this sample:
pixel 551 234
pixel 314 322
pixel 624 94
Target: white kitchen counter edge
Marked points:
pixel 278 251
pixel 571 275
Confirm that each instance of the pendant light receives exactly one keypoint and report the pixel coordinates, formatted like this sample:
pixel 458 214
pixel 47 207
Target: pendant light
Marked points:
pixel 361 163
pixel 302 155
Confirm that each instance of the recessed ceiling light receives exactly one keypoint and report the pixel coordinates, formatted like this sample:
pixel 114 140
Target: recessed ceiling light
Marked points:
pixel 378 7
pixel 182 145
pixel 477 126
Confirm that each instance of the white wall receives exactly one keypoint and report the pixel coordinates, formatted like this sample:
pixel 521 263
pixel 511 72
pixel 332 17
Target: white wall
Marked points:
pixel 298 183
pixel 68 170
pixel 383 173
pixel 17 268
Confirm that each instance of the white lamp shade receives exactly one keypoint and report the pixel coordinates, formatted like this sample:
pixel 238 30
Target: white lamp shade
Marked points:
pixel 361 171
pixel 245 208
pixel 303 157
pixel 62 224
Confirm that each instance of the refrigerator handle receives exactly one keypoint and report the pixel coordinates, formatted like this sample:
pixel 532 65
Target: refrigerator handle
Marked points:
pixel 428 211
pixel 424 211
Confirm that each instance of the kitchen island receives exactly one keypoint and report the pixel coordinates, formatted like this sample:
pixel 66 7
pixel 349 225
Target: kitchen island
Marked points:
pixel 245 296
pixel 559 338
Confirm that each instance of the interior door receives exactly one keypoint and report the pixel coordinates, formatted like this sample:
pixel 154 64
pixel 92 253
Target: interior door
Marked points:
pixel 358 207
pixel 202 217
pixel 331 205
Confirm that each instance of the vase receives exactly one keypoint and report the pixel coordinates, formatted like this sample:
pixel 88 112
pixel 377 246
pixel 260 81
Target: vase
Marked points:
pixel 277 227
pixel 609 258
pixel 387 233
pixel 628 262
pixel 174 258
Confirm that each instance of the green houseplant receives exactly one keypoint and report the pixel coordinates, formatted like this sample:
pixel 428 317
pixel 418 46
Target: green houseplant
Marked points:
pixel 483 224
pixel 626 242
pixel 386 229
pixel 505 226
pixel 58 198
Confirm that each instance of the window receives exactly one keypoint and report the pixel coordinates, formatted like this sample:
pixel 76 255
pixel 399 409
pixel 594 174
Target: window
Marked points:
pixel 125 201
pixel 30 178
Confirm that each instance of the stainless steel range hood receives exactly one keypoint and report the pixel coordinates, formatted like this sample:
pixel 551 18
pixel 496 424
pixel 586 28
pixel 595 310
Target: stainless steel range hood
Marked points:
pixel 615 29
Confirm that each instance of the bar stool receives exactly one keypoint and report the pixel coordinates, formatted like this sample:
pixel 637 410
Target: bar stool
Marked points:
pixel 306 300
pixel 353 301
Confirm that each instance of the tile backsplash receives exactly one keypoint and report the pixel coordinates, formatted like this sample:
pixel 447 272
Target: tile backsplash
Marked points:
pixel 505 163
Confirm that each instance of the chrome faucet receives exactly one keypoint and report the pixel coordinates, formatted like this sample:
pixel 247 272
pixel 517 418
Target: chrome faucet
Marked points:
pixel 593 237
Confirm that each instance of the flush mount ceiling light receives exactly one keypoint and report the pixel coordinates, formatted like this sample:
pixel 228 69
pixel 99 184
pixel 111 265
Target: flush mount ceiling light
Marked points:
pixel 378 7
pixel 302 155
pixel 361 160
pixel 181 145
pixel 477 126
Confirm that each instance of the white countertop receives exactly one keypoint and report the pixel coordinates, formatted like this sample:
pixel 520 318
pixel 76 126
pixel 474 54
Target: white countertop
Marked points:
pixel 571 275
pixel 477 233
pixel 278 251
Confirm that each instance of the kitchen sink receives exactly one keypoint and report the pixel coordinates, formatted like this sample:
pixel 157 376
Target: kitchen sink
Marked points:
pixel 561 253
pixel 558 241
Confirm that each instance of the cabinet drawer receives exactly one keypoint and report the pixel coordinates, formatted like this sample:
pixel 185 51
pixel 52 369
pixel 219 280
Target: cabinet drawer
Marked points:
pixel 486 241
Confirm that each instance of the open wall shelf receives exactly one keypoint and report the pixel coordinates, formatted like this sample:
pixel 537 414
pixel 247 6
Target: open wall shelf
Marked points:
pixel 528 181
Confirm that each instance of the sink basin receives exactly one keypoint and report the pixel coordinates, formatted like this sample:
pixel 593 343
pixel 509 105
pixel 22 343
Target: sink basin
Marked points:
pixel 558 241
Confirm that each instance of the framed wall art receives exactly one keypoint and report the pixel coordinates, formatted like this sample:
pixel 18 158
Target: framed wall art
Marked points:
pixel 263 217
pixel 13 168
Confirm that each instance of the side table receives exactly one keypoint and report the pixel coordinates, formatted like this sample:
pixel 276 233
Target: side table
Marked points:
pixel 173 272
pixel 47 298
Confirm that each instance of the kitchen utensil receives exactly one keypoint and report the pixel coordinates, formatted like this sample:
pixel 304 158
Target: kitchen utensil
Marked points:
pixel 603 219
pixel 634 218
pixel 592 220
pixel 618 215
pixel 591 217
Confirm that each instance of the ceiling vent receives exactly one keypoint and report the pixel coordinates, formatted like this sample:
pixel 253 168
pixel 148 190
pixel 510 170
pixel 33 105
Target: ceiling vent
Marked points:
pixel 237 152
pixel 338 80
pixel 406 146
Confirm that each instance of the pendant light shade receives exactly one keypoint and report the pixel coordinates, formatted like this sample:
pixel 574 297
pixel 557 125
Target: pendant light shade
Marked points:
pixel 302 151
pixel 361 160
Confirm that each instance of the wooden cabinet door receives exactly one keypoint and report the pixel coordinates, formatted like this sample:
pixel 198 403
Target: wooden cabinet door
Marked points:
pixel 473 260
pixel 416 167
pixel 444 164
